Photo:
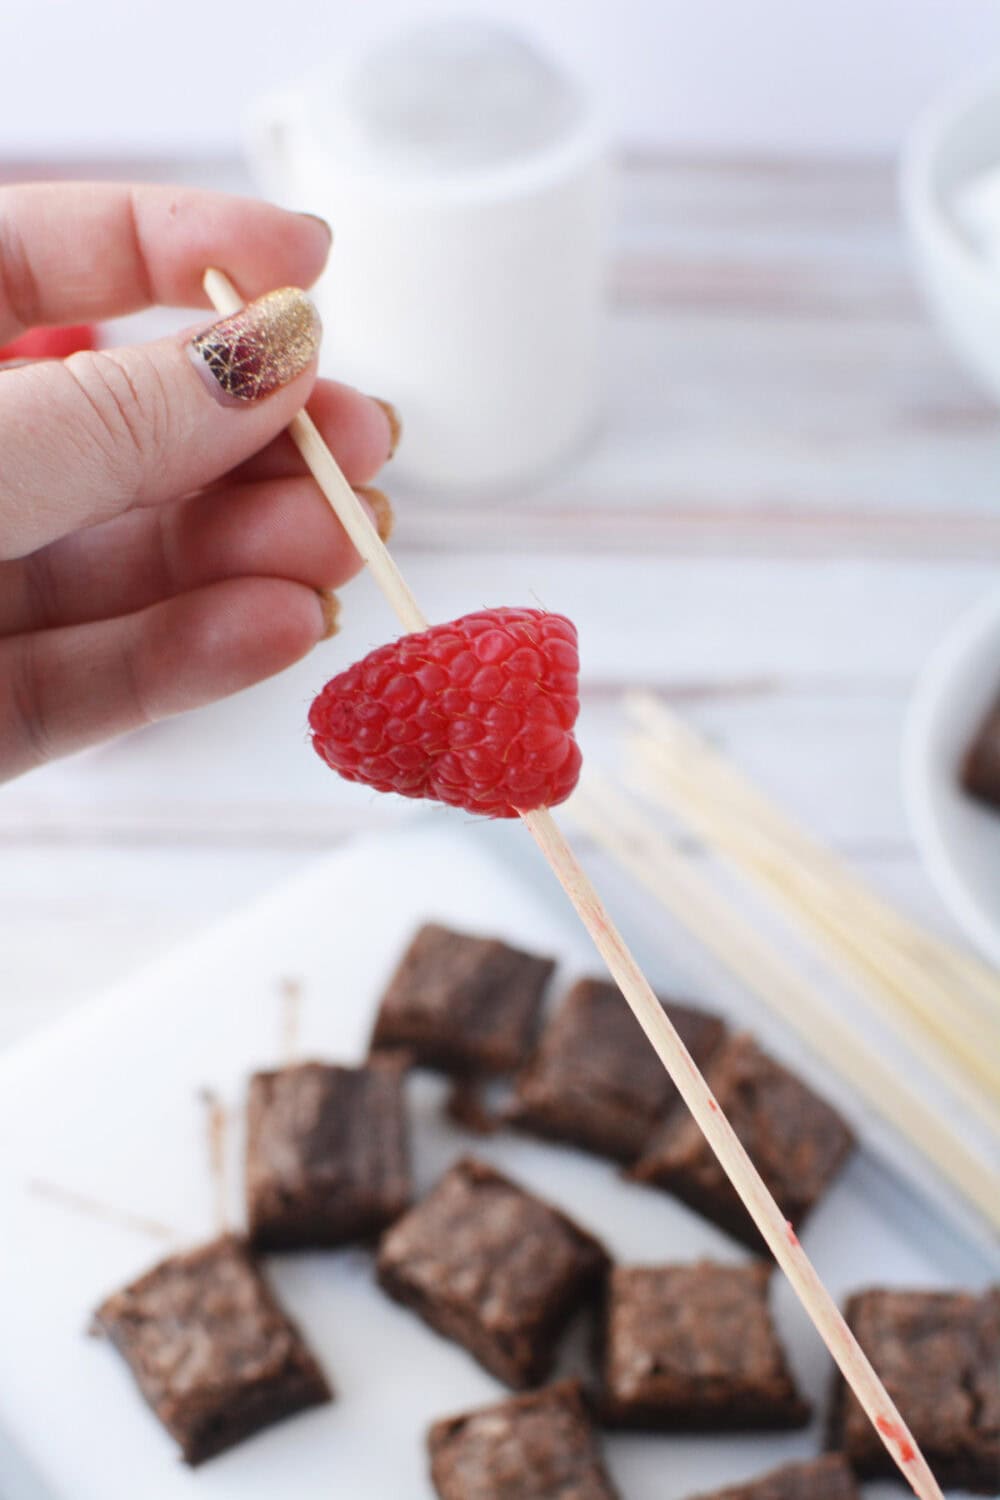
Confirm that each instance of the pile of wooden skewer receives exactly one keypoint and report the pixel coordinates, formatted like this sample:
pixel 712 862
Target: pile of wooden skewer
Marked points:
pixel 942 1002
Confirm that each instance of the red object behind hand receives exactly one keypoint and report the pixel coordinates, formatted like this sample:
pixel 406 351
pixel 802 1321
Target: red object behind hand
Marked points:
pixel 50 343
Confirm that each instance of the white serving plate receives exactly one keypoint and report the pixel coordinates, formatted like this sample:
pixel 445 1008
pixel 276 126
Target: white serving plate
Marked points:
pixel 105 1105
pixel 958 837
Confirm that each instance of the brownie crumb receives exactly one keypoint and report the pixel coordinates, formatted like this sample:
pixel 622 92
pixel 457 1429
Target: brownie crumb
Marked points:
pixel 466 1106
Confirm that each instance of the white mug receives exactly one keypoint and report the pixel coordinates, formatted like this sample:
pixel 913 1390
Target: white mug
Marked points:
pixel 466 281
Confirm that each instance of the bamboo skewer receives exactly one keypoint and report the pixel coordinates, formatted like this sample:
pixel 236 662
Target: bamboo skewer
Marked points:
pixel 616 825
pixel 217 1130
pixel 972 992
pixel 960 1058
pixel 679 745
pixel 915 1001
pixel 678 742
pixel 777 1233
pixel 324 468
pixel 290 991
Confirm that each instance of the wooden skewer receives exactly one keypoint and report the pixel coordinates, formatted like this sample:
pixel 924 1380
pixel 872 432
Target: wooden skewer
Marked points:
pixel 777 1233
pixel 216 1131
pixel 947 1032
pixel 290 991
pixel 94 1208
pixel 971 987
pixel 969 976
pixel 956 1052
pixel 616 824
pixel 976 985
pixel 325 470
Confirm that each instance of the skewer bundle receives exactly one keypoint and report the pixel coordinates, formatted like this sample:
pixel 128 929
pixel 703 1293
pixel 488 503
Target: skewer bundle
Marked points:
pixel 944 1003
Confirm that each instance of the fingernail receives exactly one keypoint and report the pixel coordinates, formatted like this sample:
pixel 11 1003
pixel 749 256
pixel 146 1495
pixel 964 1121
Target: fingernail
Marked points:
pixel 329 603
pixel 380 509
pixel 395 423
pixel 261 348
pixel 323 224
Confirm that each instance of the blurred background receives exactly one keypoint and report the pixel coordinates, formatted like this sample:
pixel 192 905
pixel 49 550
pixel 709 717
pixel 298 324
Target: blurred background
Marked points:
pixel 113 78
pixel 783 496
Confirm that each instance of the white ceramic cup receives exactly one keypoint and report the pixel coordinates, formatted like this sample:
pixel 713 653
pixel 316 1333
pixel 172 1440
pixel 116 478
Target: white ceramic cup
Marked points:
pixel 466 281
pixel 952 144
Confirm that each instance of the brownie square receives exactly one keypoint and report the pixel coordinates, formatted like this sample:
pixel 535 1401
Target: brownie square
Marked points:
pixel 462 1004
pixel 828 1478
pixel 796 1140
pixel 211 1349
pixel 938 1354
pixel 326 1157
pixel 693 1347
pixel 981 767
pixel 529 1447
pixel 492 1267
pixel 595 1081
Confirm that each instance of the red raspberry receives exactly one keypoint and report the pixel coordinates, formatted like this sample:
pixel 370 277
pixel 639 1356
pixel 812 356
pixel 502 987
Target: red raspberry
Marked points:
pixel 478 713
pixel 50 343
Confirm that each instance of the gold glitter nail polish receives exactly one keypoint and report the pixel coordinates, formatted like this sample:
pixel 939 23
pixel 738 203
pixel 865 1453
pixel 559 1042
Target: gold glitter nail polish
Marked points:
pixel 395 423
pixel 330 605
pixel 264 346
pixel 381 508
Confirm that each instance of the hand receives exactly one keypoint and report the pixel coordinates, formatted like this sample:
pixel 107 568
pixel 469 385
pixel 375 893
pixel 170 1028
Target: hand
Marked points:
pixel 161 542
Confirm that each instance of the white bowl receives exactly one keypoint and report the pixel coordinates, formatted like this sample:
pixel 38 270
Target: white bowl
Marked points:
pixel 952 144
pixel 958 837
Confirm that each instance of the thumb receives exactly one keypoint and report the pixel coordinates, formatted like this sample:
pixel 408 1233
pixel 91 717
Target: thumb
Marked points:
pixel 85 438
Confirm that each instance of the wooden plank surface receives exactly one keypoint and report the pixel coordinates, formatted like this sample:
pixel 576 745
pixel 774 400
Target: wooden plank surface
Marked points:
pixel 792 496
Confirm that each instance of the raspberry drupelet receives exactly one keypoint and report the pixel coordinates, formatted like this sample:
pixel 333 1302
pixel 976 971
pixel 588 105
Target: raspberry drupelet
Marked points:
pixel 478 713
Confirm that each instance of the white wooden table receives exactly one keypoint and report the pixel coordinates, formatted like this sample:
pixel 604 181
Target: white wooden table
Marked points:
pixel 793 495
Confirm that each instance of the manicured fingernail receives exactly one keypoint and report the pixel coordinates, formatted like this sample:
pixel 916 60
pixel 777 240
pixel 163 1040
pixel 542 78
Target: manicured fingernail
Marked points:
pixel 261 348
pixel 380 509
pixel 323 225
pixel 329 603
pixel 395 423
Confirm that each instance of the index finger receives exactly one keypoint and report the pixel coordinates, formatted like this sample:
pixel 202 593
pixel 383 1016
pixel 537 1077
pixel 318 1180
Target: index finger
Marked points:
pixel 80 251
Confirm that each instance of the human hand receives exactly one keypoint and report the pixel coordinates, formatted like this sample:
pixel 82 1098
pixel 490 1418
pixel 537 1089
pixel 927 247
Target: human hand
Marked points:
pixel 161 541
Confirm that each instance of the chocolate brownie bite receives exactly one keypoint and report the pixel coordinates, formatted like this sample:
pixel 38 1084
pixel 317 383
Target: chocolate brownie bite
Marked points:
pixel 530 1447
pixel 693 1348
pixel 795 1139
pixel 980 773
pixel 211 1349
pixel 326 1158
pixel 938 1354
pixel 492 1267
pixel 594 1080
pixel 462 1004
pixel 828 1478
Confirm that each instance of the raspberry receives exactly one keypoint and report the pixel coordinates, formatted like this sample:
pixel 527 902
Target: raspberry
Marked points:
pixel 50 343
pixel 478 713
